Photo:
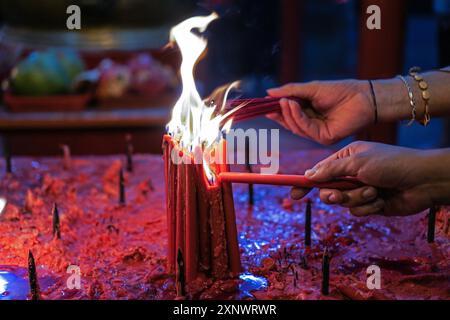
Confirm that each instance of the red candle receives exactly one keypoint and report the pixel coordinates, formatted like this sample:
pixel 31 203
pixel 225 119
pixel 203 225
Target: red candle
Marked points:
pixel 203 220
pixel 180 209
pixel 344 183
pixel 230 216
pixel 219 253
pixel 191 223
pixel 201 217
pixel 168 175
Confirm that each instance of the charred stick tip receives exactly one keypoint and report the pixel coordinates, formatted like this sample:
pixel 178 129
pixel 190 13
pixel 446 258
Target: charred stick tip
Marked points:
pixel 32 277
pixel 129 152
pixel 308 213
pixel 180 274
pixel 251 197
pixel 431 224
pixel 121 187
pixel 56 222
pixel 325 272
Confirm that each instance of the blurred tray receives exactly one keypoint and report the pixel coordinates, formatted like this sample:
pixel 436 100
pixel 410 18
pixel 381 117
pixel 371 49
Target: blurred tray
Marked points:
pixel 165 98
pixel 69 102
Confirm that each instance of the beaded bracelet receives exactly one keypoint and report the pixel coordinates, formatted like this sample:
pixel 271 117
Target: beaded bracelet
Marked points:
pixel 412 102
pixel 423 86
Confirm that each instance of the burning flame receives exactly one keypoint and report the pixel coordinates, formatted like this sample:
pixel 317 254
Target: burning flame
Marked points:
pixel 194 122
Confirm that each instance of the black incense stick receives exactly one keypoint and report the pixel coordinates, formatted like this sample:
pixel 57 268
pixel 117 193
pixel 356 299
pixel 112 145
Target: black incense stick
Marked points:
pixel 325 272
pixel 121 187
pixel 56 227
pixel 431 224
pixel 129 153
pixel 251 199
pixel 180 279
pixel 8 161
pixel 308 224
pixel 32 277
pixel 303 263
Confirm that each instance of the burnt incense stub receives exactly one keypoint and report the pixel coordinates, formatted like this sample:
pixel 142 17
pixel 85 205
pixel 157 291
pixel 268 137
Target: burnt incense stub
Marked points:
pixel 33 278
pixel 55 222
pixel 201 219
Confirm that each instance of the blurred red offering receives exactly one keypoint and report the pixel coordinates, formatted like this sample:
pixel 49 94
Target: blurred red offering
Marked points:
pixel 140 82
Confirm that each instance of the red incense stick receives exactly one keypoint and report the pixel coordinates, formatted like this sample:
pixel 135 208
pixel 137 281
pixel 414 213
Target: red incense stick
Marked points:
pixel 254 107
pixel 288 180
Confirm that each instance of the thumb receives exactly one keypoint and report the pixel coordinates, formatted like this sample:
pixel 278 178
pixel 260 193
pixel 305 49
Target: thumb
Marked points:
pixel 332 169
pixel 300 90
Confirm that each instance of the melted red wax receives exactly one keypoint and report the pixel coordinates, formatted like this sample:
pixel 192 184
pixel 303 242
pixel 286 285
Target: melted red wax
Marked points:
pixel 121 249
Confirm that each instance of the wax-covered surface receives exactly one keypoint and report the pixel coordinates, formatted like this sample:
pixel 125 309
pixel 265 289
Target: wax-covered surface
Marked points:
pixel 121 249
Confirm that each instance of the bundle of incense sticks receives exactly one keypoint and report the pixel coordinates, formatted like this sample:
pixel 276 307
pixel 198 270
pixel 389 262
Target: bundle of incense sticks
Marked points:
pixel 254 107
pixel 201 218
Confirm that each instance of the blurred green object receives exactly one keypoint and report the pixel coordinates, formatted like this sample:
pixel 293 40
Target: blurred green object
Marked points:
pixel 70 61
pixel 44 73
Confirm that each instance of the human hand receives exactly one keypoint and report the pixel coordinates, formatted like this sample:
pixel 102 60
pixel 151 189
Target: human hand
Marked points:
pixel 400 181
pixel 339 109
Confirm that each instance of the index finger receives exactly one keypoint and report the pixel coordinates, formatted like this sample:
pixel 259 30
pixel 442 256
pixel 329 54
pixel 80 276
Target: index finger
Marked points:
pixel 301 90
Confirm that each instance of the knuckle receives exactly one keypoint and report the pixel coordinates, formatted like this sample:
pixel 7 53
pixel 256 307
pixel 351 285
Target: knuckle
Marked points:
pixel 289 87
pixel 358 158
pixel 313 83
pixel 357 143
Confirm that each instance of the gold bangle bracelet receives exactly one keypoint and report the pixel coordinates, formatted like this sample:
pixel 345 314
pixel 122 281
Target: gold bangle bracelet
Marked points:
pixel 412 102
pixel 423 86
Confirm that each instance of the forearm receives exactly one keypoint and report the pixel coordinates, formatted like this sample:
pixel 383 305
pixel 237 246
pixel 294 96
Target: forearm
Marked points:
pixel 393 100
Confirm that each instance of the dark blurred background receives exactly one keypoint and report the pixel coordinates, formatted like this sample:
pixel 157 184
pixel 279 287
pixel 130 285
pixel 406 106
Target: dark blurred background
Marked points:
pixel 265 43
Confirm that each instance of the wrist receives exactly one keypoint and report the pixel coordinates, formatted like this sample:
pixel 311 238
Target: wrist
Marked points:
pixel 363 87
pixel 433 168
pixel 393 100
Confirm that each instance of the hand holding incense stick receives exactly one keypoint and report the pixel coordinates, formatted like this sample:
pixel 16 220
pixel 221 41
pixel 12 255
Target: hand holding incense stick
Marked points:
pixel 344 183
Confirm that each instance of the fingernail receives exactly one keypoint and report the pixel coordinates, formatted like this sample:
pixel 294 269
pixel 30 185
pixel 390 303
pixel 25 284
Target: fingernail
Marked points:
pixel 369 193
pixel 379 204
pixel 296 195
pixel 310 172
pixel 332 198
